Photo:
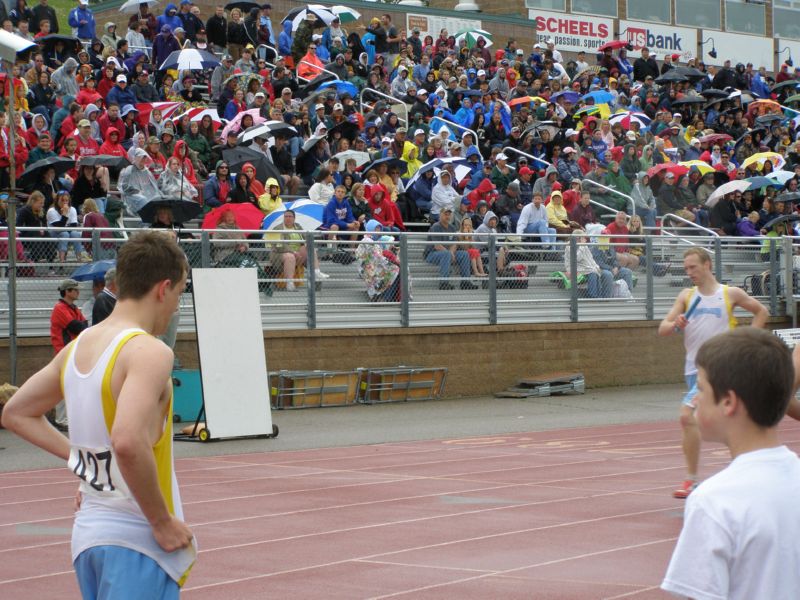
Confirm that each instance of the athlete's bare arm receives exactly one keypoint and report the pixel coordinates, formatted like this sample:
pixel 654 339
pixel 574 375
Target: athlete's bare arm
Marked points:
pixel 146 365
pixel 675 317
pixel 740 298
pixel 25 413
pixel 793 410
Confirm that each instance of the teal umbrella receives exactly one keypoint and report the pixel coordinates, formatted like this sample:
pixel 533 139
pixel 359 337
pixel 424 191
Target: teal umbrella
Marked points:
pixel 345 14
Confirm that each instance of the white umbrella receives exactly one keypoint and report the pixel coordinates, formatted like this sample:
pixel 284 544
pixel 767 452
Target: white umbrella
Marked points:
pixel 738 185
pixel 132 6
pixel 265 130
pixel 298 15
pixel 345 13
pixel 361 158
pixel 189 60
pixel 781 176
pixel 460 171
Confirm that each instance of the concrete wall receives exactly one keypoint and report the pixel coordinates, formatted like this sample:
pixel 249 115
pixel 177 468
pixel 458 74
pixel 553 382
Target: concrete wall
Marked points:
pixel 481 360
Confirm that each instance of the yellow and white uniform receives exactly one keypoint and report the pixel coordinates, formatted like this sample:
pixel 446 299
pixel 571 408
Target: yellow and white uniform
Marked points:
pixel 712 316
pixel 109 514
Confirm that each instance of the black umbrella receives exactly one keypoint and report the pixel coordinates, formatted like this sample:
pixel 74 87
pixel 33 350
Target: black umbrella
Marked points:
pixel 714 93
pixel 390 161
pixel 782 219
pixel 182 210
pixel 346 129
pixel 237 157
pixel 689 100
pixel 785 84
pixel 50 40
pixel 311 142
pixel 243 6
pixel 788 197
pixel 672 76
pixel 103 160
pixel 35 170
pixel 769 119
pixel 265 130
pixel 690 73
pixel 549 126
pixel 311 86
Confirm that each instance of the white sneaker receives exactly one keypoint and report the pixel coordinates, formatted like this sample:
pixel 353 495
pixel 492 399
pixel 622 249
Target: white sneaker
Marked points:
pixel 290 286
pixel 320 275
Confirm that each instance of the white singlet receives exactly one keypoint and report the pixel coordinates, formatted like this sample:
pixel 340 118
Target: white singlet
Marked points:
pixel 712 315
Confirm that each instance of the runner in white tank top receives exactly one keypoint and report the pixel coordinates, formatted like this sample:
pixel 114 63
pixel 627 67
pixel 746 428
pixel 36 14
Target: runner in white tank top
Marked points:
pixel 700 313
pixel 129 540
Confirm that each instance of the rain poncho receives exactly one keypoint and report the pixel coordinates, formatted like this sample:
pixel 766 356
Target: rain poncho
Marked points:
pixel 138 186
pixel 64 78
pixel 377 270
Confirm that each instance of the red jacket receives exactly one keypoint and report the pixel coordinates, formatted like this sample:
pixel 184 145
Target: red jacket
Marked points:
pixel 384 210
pixel 112 148
pixel 66 322
pixel 486 191
pixel 619 236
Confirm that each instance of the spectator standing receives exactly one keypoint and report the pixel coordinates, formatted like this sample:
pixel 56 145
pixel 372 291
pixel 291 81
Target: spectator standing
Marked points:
pixel 191 24
pixel 43 12
pixel 81 19
pixel 217 30
pixel 106 300
pixel 66 322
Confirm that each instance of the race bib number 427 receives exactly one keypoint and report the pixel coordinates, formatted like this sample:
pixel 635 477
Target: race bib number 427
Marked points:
pixel 98 470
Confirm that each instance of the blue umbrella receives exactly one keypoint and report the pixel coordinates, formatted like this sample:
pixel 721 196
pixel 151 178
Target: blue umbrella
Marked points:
pixel 341 87
pixel 569 96
pixel 599 97
pixel 93 271
pixel 308 215
pixel 390 162
pixel 756 183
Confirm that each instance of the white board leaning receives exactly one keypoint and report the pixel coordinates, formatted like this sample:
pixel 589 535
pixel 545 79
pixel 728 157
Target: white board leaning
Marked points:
pixel 230 341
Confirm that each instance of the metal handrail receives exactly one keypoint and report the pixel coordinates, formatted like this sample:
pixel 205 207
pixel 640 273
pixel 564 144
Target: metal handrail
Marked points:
pixel 302 62
pixel 613 191
pixel 688 222
pixel 271 49
pixel 526 155
pixel 382 95
pixel 794 110
pixel 461 127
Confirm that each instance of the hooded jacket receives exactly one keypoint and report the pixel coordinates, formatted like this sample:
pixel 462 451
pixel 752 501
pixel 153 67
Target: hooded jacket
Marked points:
pixel 443 196
pixel 484 227
pixel 384 210
pixel 642 194
pixel 174 21
pixel 138 182
pixel 64 78
pixel 544 185
pixel 268 203
pixel 285 39
pixel 188 167
pixel 112 148
pixel 484 191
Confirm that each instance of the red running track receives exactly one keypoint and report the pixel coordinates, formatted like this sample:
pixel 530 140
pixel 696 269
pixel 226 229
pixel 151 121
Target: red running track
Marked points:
pixel 568 514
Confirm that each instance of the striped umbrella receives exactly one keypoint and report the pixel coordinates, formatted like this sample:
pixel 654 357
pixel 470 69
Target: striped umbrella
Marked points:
pixel 701 166
pixel 345 14
pixel 322 15
pixel 470 36
pixel 198 112
pixel 625 118
pixel 189 60
pixel 308 215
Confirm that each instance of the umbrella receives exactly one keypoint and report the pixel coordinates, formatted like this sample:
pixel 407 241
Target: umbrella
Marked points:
pixel 790 99
pixel 459 172
pixel 346 129
pixel 242 79
pixel 324 16
pixel 602 110
pixel 689 100
pixel 550 126
pixel 93 271
pixel 308 215
pixel 769 120
pixel 701 166
pixel 737 185
pixel 311 142
pixel 243 6
pixel 788 197
pixel 248 217
pixel 781 176
pixel 470 36
pixel 690 73
pixel 715 138
pixel 235 124
pixel 264 130
pixel 787 83
pixel 616 44
pixel 568 95
pixel 389 161
pixel 35 170
pixel 52 38
pixel 345 14
pixel 525 100
pixel 189 60
pixel 341 87
pixel 758 160
pixel 672 76
pixel 767 104
pixel 433 165
pixel 714 93
pixel 599 97
pixel 782 219
pixel 306 90
pixel 237 157
pixel 182 210
pixel 103 160
pixel 756 183
pixel 626 118
pixel 197 114
pixel 361 158
pixel 132 6
pixel 676 170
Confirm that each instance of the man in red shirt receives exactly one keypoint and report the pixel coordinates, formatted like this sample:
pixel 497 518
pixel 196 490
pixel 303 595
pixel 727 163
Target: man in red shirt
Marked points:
pixel 620 232
pixel 87 145
pixel 66 322
pixel 111 118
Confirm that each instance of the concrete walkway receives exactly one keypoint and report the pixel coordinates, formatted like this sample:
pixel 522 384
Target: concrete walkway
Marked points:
pixel 463 417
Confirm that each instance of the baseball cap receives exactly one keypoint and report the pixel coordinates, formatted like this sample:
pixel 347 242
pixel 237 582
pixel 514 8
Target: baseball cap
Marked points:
pixel 669 175
pixel 502 156
pixel 121 78
pixel 318 106
pixel 260 94
pixel 520 51
pixel 84 123
pixel 481 72
pixel 447 209
pixel 568 150
pixel 677 116
pixel 286 90
pixel 401 130
pixel 419 132
pixel 570 132
pixel 465 200
pixel 630 135
pixel 422 92
pixel 525 171
pixel 153 140
pixel 68 284
pixel 179 30
pixel 696 142
pixel 338 106
pixel 556 193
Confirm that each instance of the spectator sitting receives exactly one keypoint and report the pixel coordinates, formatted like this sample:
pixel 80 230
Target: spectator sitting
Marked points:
pixel 359 204
pixel 322 190
pixel 583 214
pixel 271 200
pixel 487 228
pixel 231 239
pixel 174 185
pixel 748 227
pixel 422 189
pixel 32 215
pixel 92 217
pixel 644 200
pixel 241 192
pixel 384 210
pixel 443 195
pixel 533 220
pixel 619 229
pixel 557 216
pixel 379 268
pixel 288 249
pixel 62 221
pixel 723 215
pixel 442 250
pixel 338 215
pixel 600 281
pixel 137 184
pixel 606 258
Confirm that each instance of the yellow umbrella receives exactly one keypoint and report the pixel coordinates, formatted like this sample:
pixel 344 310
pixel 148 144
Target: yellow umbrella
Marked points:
pixel 759 159
pixel 701 166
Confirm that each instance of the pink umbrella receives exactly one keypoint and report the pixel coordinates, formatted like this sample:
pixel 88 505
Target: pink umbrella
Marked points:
pixel 236 123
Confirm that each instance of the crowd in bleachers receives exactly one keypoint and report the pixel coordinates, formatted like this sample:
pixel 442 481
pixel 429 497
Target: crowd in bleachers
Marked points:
pixel 384 127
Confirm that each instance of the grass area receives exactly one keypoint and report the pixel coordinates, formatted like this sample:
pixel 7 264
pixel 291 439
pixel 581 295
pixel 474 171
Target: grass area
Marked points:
pixel 62 8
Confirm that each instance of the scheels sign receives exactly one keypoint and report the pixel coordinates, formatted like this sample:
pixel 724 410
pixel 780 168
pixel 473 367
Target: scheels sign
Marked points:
pixel 572 32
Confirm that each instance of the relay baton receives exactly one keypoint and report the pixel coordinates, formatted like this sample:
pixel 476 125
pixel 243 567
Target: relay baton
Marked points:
pixel 689 312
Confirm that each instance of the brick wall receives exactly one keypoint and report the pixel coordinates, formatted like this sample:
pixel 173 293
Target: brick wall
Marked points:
pixel 481 360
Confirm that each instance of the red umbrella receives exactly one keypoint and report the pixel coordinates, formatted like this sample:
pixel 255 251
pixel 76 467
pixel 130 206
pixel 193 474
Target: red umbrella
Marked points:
pixel 715 138
pixel 614 45
pixel 248 217
pixel 676 170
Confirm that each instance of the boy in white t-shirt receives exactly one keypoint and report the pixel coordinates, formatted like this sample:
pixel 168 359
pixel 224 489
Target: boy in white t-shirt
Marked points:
pixel 741 526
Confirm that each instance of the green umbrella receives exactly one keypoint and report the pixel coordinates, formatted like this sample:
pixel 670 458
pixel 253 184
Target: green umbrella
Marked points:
pixel 795 98
pixel 471 36
pixel 345 14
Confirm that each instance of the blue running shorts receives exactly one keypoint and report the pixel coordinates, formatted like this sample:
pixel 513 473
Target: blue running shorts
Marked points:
pixel 117 573
pixel 691 386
